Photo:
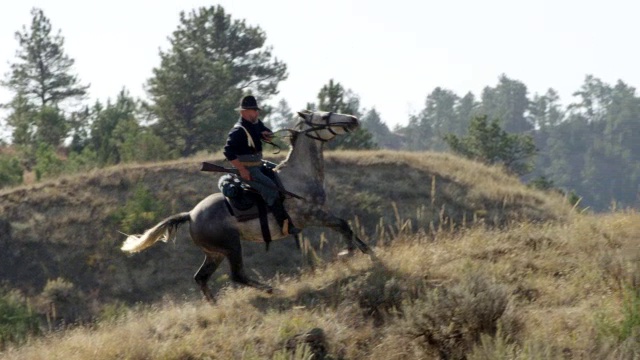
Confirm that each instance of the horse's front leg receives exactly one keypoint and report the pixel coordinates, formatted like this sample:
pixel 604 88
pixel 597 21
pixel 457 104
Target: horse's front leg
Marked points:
pixel 342 226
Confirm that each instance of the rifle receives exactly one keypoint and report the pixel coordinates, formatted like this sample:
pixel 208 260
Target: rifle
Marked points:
pixel 217 168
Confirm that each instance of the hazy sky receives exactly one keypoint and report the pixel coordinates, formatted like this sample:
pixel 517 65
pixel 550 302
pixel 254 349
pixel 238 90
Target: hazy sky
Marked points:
pixel 391 53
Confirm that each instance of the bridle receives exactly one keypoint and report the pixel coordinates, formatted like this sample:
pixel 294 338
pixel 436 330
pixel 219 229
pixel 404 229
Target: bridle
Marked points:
pixel 313 129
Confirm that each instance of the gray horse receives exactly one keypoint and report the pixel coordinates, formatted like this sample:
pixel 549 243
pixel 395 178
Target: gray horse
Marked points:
pixel 219 234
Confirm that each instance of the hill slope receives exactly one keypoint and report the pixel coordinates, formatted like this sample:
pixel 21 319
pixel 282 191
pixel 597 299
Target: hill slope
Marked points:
pixel 69 228
pixel 527 291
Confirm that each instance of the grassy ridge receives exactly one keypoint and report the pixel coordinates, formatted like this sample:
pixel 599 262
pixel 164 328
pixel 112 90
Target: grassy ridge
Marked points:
pixel 520 271
pixel 70 227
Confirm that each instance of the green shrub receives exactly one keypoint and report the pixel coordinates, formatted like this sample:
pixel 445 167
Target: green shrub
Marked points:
pixel 17 320
pixel 490 347
pixel 450 320
pixel 10 171
pixel 488 142
pixel 629 326
pixel 62 302
pixel 377 293
pixel 83 161
pixel 140 211
pixel 145 147
pixel 48 164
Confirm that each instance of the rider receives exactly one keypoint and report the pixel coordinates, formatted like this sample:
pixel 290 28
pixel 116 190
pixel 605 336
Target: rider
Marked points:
pixel 244 150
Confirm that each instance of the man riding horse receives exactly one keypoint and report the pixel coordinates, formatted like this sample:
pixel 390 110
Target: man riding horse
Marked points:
pixel 243 149
pixel 219 234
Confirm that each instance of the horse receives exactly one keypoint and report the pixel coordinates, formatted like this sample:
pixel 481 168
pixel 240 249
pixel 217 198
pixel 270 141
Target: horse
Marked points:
pixel 219 234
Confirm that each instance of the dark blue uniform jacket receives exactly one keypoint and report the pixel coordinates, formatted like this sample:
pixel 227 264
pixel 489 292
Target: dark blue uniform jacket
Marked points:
pixel 237 142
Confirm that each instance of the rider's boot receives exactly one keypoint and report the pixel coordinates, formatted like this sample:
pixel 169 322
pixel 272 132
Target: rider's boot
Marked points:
pixel 286 225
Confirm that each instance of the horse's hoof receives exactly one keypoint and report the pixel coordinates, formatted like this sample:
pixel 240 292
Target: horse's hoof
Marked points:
pixel 273 291
pixel 346 253
pixel 276 292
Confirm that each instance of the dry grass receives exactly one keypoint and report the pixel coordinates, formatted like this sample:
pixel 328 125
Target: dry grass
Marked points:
pixel 560 280
pixel 448 189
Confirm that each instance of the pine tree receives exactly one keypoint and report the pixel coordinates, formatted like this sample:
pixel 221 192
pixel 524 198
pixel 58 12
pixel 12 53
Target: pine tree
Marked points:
pixel 116 135
pixel 379 130
pixel 212 62
pixel 282 116
pixel 508 102
pixel 42 82
pixel 489 143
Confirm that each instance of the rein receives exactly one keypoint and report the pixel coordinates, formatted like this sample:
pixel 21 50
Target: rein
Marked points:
pixel 317 127
pixel 274 144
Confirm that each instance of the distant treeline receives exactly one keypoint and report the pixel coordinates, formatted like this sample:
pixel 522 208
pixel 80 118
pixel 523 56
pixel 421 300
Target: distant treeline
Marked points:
pixel 591 147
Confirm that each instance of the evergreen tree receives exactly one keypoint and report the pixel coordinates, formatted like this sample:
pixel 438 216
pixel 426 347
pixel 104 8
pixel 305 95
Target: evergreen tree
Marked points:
pixel 603 154
pixel 48 163
pixel 80 125
pixel 417 136
pixel 334 98
pixel 212 61
pixel 507 101
pixel 379 130
pixel 42 81
pixel 594 96
pixel 116 135
pixel 565 149
pixel 444 113
pixel 43 71
pixel 489 143
pixel 21 119
pixel 281 117
pixel 51 125
pixel 466 109
pixel 111 123
pixel 545 111
pixel 623 119
pixel 545 114
pixel 437 119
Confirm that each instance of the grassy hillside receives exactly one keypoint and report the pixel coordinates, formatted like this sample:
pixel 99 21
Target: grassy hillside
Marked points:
pixel 70 228
pixel 527 291
pixel 61 241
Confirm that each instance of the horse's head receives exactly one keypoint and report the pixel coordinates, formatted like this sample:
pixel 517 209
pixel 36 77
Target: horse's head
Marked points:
pixel 324 126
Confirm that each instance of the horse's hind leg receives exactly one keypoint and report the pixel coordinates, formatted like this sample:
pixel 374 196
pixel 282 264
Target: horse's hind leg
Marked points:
pixel 237 270
pixel 208 267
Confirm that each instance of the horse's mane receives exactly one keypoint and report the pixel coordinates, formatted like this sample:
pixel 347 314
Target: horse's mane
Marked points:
pixel 293 136
pixel 297 128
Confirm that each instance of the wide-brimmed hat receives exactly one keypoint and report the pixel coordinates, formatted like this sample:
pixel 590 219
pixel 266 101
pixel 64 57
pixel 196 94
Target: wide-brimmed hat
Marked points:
pixel 248 103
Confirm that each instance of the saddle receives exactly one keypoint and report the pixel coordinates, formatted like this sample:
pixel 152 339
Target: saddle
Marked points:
pixel 244 202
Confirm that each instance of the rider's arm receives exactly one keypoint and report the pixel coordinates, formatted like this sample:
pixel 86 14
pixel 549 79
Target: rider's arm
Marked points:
pixel 244 173
pixel 265 132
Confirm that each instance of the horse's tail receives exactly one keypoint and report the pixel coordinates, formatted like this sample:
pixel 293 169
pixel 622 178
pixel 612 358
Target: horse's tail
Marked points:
pixel 164 231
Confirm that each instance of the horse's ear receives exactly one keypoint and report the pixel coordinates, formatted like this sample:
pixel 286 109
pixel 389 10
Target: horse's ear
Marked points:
pixel 303 114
